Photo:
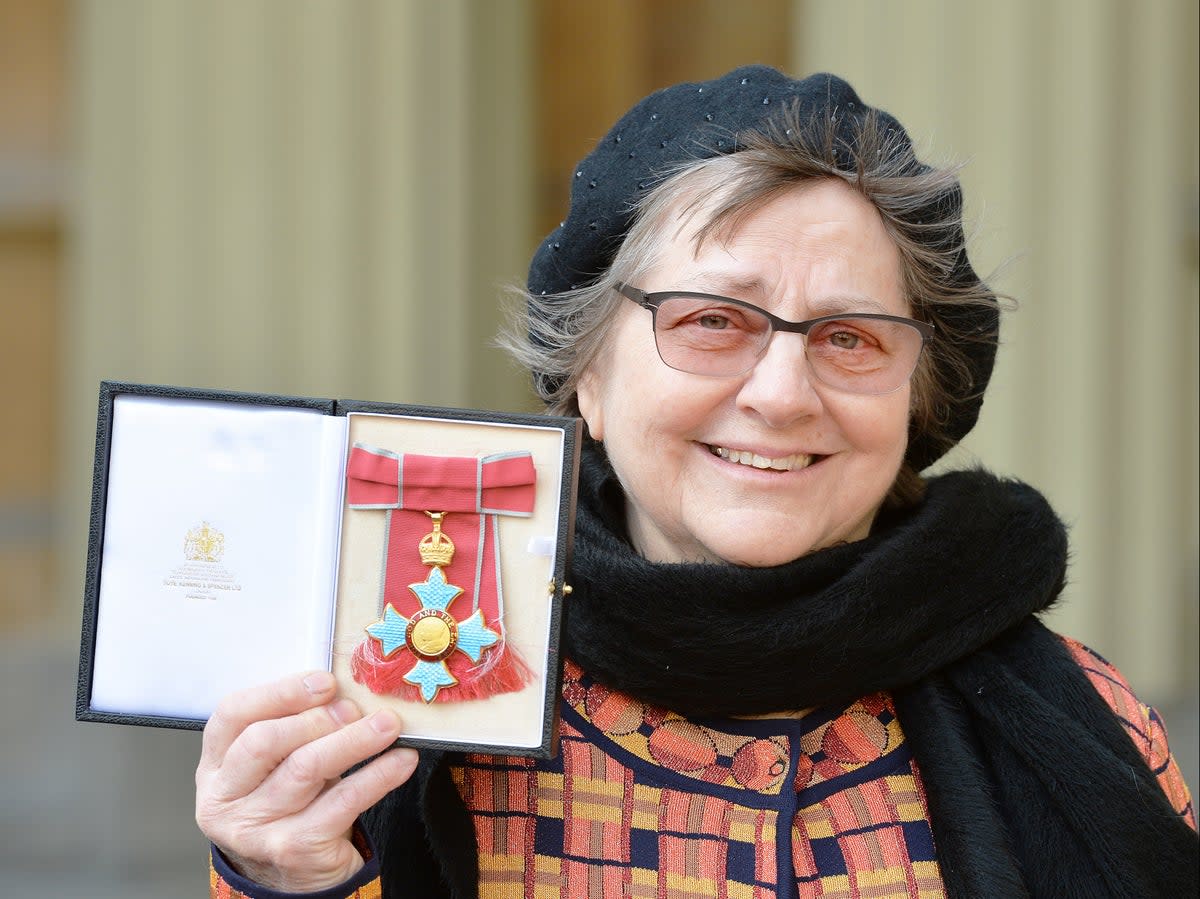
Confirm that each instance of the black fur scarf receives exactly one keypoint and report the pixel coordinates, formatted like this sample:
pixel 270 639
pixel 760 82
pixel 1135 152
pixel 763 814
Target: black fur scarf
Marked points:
pixel 1034 788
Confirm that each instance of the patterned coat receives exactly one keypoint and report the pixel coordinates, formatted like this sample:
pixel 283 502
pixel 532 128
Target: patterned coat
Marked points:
pixel 641 802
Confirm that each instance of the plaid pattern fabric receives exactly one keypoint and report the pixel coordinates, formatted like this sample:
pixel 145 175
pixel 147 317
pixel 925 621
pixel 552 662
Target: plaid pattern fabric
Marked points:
pixel 645 804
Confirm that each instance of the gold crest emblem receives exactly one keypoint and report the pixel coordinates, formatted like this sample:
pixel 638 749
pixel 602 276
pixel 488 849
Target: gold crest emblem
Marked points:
pixel 204 544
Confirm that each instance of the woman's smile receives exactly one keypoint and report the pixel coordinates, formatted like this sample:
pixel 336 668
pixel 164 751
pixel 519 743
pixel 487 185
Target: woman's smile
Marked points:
pixel 790 462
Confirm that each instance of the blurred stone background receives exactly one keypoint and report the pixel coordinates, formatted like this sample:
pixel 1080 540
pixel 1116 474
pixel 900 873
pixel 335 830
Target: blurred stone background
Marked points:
pixel 318 197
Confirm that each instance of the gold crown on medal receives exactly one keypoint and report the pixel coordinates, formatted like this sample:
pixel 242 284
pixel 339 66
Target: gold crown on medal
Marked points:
pixel 436 548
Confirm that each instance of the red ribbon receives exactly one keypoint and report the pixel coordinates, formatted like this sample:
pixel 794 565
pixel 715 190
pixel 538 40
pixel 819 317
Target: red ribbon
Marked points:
pixel 473 492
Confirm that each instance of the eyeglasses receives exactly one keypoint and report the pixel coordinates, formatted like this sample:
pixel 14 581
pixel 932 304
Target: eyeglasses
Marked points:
pixel 858 352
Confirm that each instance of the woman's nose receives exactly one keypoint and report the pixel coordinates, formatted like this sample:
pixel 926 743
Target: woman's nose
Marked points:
pixel 780 388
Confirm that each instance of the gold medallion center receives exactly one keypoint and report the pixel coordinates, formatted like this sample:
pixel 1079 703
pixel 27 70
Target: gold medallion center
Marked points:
pixel 431 634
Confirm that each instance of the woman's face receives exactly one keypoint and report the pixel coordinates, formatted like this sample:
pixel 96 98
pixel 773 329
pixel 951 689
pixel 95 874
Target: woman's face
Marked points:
pixel 817 249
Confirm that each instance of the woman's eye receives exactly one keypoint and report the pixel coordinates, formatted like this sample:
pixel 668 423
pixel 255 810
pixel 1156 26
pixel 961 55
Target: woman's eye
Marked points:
pixel 713 322
pixel 841 336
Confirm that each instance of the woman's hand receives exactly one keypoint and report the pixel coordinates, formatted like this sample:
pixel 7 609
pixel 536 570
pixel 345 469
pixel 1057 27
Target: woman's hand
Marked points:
pixel 269 791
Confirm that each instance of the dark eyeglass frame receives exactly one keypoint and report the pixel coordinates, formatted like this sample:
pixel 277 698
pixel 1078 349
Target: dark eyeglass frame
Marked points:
pixel 652 301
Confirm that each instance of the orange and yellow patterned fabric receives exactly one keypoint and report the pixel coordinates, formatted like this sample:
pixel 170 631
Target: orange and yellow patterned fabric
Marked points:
pixel 646 804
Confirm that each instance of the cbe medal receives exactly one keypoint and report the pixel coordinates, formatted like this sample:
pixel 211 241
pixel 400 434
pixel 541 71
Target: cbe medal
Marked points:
pixel 432 633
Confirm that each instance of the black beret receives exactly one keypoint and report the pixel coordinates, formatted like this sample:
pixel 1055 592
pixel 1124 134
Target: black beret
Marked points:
pixel 697 120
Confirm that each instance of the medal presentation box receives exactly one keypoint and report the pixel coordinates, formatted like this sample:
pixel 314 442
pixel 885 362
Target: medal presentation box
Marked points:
pixel 418 553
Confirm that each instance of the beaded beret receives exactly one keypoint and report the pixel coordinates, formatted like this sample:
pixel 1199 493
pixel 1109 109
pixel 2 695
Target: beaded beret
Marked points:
pixel 698 120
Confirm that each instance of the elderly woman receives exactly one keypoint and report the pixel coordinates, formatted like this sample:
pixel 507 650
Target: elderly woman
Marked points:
pixel 796 667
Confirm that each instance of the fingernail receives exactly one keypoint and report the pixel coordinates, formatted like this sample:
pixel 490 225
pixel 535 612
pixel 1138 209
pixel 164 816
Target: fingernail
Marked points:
pixel 319 682
pixel 385 721
pixel 344 711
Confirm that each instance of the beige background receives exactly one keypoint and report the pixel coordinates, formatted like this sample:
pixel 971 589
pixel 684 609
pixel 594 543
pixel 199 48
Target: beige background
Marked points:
pixel 322 198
